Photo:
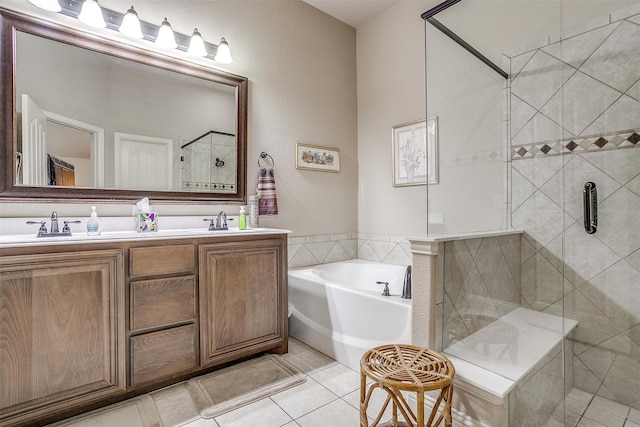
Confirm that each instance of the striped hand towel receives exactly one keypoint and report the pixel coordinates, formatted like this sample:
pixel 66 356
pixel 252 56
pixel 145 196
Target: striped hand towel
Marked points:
pixel 266 191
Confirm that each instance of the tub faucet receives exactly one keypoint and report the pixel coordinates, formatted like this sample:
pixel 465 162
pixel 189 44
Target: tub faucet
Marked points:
pixel 406 287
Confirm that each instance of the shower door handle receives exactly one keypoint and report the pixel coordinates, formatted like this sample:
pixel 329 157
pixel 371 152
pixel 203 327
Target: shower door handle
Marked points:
pixel 590 201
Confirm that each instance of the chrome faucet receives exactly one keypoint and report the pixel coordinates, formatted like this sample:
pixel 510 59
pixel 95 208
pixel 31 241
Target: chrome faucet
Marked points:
pixel 221 221
pixel 406 287
pixel 55 230
pixel 54 222
pixel 218 223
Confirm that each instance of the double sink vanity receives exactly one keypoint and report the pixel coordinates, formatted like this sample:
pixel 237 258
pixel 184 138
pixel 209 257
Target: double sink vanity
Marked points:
pixel 86 321
pixel 89 320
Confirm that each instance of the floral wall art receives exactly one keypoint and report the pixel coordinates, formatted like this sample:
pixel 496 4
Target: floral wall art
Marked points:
pixel 415 153
pixel 313 157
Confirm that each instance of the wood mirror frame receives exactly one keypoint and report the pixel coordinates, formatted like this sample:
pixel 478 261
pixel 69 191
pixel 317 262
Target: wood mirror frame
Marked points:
pixel 10 23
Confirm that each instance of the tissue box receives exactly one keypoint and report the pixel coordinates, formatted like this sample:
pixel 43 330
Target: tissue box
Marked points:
pixel 147 221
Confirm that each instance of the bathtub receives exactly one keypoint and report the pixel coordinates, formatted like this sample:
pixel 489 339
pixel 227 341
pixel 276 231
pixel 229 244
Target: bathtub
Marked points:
pixel 339 309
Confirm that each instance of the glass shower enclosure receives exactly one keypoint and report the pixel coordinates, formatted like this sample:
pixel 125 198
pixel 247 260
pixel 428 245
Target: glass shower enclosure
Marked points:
pixel 538 112
pixel 208 163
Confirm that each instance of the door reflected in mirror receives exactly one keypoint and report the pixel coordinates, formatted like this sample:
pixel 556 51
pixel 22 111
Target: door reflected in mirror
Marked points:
pixel 71 148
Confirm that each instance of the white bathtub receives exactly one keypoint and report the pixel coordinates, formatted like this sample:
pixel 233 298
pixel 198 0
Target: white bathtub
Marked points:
pixel 339 309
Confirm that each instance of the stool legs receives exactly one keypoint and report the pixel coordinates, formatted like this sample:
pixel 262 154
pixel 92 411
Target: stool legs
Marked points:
pixel 441 410
pixel 444 400
pixel 364 402
pixel 420 399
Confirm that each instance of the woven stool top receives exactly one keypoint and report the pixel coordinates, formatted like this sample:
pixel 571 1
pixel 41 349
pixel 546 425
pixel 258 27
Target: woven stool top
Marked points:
pixel 407 367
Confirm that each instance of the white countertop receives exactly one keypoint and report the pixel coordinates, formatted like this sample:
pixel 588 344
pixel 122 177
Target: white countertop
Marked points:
pixel 17 240
pixel 433 238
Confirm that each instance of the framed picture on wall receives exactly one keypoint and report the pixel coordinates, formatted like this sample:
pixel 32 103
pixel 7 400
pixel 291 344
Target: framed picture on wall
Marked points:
pixel 313 157
pixel 415 153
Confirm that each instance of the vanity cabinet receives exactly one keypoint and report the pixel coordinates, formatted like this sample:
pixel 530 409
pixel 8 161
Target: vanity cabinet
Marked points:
pixel 88 324
pixel 243 306
pixel 61 330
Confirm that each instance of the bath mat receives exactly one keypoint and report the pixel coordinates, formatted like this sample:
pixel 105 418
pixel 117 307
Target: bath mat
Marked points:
pixel 241 384
pixel 136 412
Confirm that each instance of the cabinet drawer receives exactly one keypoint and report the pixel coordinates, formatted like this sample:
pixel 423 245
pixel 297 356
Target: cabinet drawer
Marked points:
pixel 162 260
pixel 162 302
pixel 161 354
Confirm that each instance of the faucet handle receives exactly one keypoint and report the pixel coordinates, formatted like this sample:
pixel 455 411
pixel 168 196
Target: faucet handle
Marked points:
pixel 66 228
pixel 212 225
pixel 385 292
pixel 43 226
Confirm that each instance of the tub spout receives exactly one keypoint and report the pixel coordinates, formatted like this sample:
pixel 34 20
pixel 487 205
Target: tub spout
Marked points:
pixel 406 287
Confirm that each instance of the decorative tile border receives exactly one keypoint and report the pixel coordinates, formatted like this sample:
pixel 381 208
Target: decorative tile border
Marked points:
pixel 613 141
pixel 213 186
pixel 474 157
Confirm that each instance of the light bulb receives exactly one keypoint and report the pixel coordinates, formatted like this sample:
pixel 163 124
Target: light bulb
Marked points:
pixel 196 45
pixel 50 5
pixel 131 24
pixel 223 55
pixel 165 36
pixel 91 14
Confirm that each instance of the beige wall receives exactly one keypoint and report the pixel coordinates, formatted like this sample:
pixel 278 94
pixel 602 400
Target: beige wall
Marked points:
pixel 301 66
pixel 390 92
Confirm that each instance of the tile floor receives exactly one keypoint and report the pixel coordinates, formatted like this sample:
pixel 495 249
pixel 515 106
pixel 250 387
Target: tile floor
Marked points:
pixel 330 397
pixel 586 410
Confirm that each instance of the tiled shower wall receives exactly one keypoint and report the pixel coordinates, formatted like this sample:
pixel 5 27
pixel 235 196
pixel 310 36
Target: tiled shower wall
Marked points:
pixel 481 284
pixel 580 97
pixel 322 249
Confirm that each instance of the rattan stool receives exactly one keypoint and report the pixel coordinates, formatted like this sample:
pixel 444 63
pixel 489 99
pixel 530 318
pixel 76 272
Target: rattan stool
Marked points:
pixel 400 367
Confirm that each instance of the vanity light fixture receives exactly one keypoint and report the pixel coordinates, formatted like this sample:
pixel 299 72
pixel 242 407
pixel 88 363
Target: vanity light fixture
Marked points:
pixel 50 5
pixel 131 25
pixel 165 36
pixel 223 55
pixel 91 14
pixel 196 45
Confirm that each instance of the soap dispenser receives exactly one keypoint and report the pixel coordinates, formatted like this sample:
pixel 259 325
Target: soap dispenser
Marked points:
pixel 93 223
pixel 242 219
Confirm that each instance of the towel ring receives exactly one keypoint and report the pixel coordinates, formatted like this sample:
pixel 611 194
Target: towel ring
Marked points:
pixel 264 155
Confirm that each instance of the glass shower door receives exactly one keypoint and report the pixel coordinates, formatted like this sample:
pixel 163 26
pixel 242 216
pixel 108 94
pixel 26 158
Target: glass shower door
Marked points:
pixel 569 121
pixel 600 104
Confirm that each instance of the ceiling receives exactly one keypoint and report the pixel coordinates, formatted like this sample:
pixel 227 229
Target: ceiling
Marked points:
pixel 352 12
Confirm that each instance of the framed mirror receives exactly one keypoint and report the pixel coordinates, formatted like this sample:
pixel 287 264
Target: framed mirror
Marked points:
pixel 85 117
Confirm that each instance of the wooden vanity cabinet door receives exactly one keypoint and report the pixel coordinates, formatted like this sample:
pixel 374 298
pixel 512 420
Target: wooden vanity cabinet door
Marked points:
pixel 243 298
pixel 61 332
